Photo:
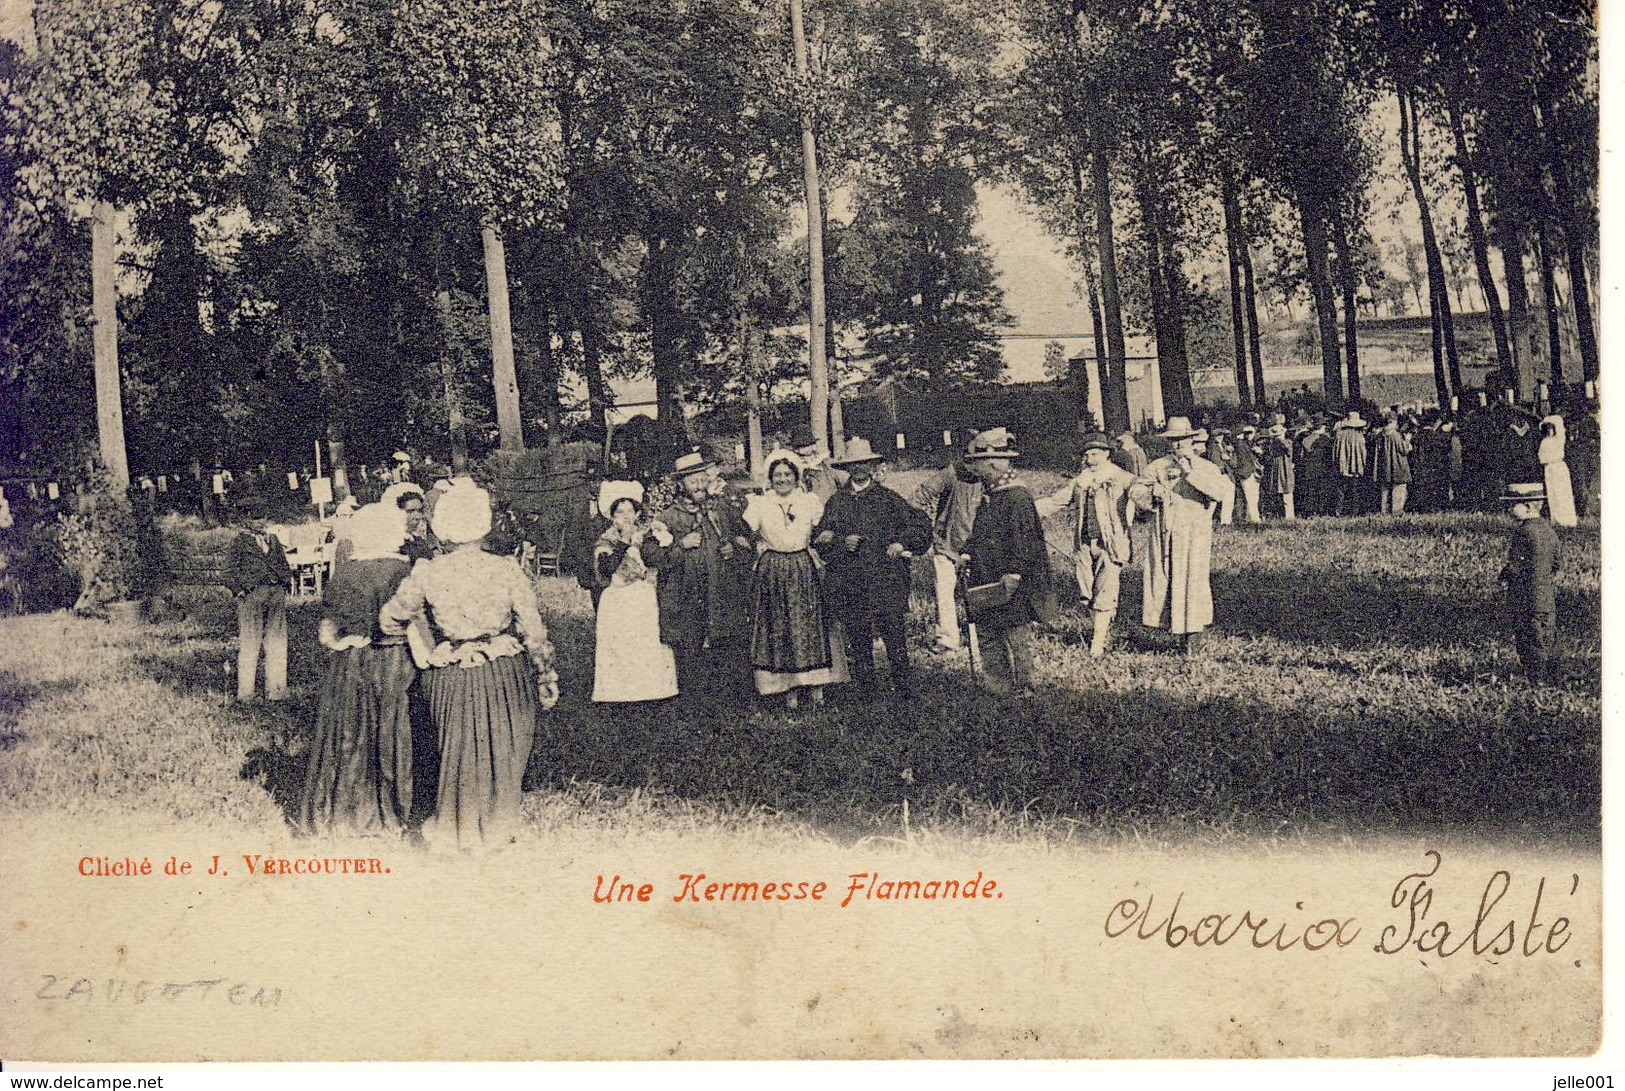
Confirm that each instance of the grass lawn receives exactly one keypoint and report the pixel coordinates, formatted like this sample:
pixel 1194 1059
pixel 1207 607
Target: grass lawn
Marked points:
pixel 1356 682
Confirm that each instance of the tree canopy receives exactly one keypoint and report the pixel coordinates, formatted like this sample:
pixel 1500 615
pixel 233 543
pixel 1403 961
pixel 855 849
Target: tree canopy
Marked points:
pixel 331 214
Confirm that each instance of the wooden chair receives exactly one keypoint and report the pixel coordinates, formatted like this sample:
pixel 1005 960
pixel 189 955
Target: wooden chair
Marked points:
pixel 549 553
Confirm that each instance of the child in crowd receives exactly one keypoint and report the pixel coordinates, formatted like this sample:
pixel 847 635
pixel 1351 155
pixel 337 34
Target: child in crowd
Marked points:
pixel 1533 555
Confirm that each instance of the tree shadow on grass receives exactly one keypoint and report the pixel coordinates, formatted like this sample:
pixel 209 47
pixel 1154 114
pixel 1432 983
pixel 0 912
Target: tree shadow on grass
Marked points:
pixel 1114 761
pixel 16 695
pixel 1353 611
pixel 205 665
pixel 1148 759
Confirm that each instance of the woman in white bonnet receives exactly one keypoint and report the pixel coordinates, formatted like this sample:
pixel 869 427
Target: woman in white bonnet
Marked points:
pixel 631 663
pixel 791 645
pixel 1555 467
pixel 487 668
pixel 359 777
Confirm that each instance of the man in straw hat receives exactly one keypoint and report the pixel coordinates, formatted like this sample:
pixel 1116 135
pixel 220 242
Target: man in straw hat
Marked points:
pixel 1533 555
pixel 1006 546
pixel 1101 514
pixel 1181 490
pixel 866 537
pixel 704 586
pixel 1349 451
pixel 1279 473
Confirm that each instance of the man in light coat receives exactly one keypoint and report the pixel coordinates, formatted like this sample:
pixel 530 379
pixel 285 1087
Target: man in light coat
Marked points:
pixel 1181 490
pixel 1101 514
pixel 951 497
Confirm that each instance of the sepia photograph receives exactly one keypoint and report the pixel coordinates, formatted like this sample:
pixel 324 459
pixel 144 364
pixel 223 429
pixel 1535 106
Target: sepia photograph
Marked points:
pixel 800 530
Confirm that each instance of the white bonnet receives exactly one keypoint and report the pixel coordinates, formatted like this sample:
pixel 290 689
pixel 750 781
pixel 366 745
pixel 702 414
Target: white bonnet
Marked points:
pixel 463 513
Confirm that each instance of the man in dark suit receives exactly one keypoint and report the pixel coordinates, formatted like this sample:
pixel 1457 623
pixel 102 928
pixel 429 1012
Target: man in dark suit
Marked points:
pixel 1533 554
pixel 704 586
pixel 866 537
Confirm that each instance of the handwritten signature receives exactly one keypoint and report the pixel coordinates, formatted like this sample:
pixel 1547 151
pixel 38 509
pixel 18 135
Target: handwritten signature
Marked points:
pixel 1495 930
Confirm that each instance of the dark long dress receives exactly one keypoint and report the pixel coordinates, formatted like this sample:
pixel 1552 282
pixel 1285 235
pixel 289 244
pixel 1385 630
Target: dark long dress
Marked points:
pixel 360 773
pixel 790 641
pixel 480 685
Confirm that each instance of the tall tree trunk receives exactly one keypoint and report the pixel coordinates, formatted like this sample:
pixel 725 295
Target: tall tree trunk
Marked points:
pixel 1255 349
pixel 1410 150
pixel 660 293
pixel 1098 336
pixel 510 425
pixel 1092 290
pixel 818 362
pixel 104 339
pixel 547 382
pixel 592 356
pixel 1351 333
pixel 1177 375
pixel 750 366
pixel 1480 242
pixel 1576 229
pixel 1167 304
pixel 1548 294
pixel 448 369
pixel 1441 376
pixel 1238 323
pixel 338 462
pixel 1312 216
pixel 837 406
pixel 1114 372
pixel 1509 239
pixel 189 370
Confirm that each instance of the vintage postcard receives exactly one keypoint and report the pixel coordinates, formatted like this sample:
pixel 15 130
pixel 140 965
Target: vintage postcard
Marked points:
pixel 829 530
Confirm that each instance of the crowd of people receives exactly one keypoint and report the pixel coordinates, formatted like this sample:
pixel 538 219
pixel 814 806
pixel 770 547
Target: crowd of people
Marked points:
pixel 1406 459
pixel 708 595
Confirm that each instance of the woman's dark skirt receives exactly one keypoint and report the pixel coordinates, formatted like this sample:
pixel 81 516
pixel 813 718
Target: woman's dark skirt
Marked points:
pixel 788 636
pixel 486 717
pixel 359 778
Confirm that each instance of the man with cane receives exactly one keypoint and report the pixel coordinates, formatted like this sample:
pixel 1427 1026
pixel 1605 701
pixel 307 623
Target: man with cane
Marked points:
pixel 1010 586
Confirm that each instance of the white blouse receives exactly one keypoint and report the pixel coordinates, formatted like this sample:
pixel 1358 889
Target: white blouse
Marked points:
pixel 784 523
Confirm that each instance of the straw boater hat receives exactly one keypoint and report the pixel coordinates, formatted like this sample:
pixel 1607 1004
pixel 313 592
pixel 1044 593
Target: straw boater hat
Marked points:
pixel 1353 420
pixel 993 443
pixel 1278 431
pixel 611 493
pixel 857 450
pixel 463 513
pixel 1531 493
pixel 1178 428
pixel 689 463
pixel 1097 441
pixel 377 530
